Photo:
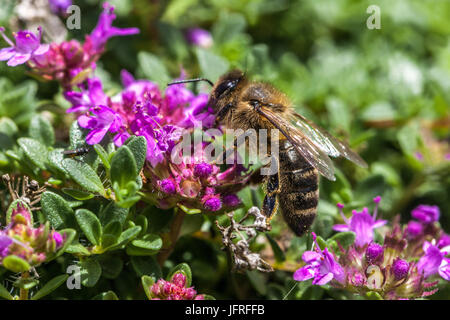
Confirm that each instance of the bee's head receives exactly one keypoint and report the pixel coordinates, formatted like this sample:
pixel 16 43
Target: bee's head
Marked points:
pixel 225 88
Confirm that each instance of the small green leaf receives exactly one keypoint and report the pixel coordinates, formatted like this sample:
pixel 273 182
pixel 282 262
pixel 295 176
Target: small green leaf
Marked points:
pixel 77 249
pixel 108 295
pixel 41 130
pixel 112 212
pixel 127 203
pixel 50 286
pixel 90 272
pixel 128 235
pixel 147 283
pixel 15 264
pixel 183 268
pixel 211 65
pixel 78 194
pixel 146 266
pixel 90 225
pixel 111 233
pixel 55 158
pixel 103 155
pixel 57 210
pixel 123 167
pixel 372 295
pixel 138 146
pixel 345 239
pixel 149 245
pixel 35 151
pixel 4 293
pixel 84 175
pixel 111 265
pixel 153 68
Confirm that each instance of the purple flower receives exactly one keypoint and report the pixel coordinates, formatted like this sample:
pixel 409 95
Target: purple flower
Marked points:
pixel 104 29
pixel 426 214
pixel 91 96
pixel 400 269
pixel 28 45
pixel 58 239
pixel 199 37
pixel 167 186
pixel 59 6
pixel 231 200
pixel 374 253
pixel 434 261
pixel 5 241
pixel 320 265
pixel 212 203
pixel 102 120
pixel 361 223
pixel 414 229
pixel 444 241
pixel 202 170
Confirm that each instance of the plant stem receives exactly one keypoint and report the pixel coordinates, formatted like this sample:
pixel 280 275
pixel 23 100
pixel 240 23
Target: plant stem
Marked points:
pixel 23 294
pixel 173 236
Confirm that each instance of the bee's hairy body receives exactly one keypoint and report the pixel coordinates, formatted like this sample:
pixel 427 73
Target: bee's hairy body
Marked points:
pixel 294 188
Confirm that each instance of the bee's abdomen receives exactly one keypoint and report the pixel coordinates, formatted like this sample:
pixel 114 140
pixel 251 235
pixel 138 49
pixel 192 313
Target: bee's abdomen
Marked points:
pixel 299 194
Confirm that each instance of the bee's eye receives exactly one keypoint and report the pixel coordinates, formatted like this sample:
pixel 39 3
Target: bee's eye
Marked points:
pixel 225 86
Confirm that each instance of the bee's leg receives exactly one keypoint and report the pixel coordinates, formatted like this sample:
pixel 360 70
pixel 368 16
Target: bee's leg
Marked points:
pixel 273 187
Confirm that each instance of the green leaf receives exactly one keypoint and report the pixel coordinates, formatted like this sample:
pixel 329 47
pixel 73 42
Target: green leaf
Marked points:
pixel 153 68
pixel 84 175
pixel 372 295
pixel 77 249
pixel 41 130
pixel 78 194
pixel 149 245
pixel 50 286
pixel 127 203
pixel 90 272
pixel 4 293
pixel 211 65
pixel 57 210
pixel 112 212
pixel 108 295
pixel 68 235
pixel 77 136
pixel 123 167
pixel 55 158
pixel 278 253
pixel 111 266
pixel 345 239
pixel 35 151
pixel 90 225
pixel 138 146
pixel 103 155
pixel 15 264
pixel 128 235
pixel 146 266
pixel 183 268
pixel 111 233
pixel 147 283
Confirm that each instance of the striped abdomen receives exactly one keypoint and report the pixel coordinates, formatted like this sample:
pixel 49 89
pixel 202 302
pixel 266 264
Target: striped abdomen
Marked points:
pixel 299 193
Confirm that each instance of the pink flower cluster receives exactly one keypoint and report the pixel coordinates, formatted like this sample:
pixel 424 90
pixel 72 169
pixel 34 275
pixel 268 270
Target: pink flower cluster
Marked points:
pixel 401 268
pixel 174 290
pixel 21 239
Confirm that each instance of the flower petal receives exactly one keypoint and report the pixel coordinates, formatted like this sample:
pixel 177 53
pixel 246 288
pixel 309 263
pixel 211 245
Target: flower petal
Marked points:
pixel 341 227
pixel 95 136
pixel 444 269
pixel 43 48
pixel 322 279
pixel 18 59
pixel 7 53
pixel 304 273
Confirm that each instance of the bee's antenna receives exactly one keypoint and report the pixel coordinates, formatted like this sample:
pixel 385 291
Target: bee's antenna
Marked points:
pixel 191 80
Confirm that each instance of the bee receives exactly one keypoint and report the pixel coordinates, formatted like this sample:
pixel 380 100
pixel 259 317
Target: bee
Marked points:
pixel 76 152
pixel 304 147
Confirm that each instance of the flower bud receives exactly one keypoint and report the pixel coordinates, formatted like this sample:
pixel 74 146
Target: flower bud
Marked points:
pixel 58 239
pixel 374 253
pixel 414 229
pixel 179 279
pixel 167 186
pixel 202 170
pixel 400 269
pixel 426 214
pixel 231 200
pixel 213 204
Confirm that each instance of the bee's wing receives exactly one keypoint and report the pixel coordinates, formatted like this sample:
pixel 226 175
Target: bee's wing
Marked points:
pixel 315 156
pixel 326 142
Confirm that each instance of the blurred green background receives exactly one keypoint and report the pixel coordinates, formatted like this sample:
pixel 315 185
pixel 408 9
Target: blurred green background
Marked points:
pixel 386 91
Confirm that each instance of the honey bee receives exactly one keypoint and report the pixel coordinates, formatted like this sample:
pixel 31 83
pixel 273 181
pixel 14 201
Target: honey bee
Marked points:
pixel 304 147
